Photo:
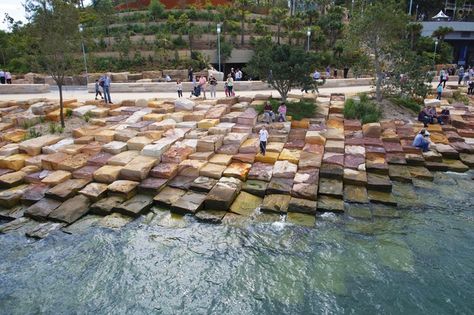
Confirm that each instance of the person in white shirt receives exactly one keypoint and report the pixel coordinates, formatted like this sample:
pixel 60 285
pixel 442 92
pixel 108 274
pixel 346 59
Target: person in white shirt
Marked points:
pixel 238 75
pixel 263 136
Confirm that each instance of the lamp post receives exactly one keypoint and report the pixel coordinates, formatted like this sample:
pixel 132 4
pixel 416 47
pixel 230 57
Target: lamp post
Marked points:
pixel 434 55
pixel 81 29
pixel 411 5
pixel 219 45
pixel 352 8
pixel 308 33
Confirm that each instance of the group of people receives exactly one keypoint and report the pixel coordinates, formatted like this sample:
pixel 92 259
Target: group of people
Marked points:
pixel 103 83
pixel 269 116
pixel 465 76
pixel 201 84
pixel 5 77
pixel 429 115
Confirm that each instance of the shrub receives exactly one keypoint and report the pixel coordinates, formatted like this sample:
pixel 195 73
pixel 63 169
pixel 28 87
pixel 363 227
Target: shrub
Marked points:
pixel 407 102
pixel 458 97
pixel 33 133
pixel 365 110
pixel 68 113
pixel 87 116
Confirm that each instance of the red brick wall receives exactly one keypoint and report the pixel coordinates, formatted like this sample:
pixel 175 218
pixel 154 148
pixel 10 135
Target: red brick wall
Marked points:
pixel 169 4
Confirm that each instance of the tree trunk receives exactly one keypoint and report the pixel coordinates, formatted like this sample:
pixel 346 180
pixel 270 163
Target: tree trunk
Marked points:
pixel 61 106
pixel 278 33
pixel 378 77
pixel 242 31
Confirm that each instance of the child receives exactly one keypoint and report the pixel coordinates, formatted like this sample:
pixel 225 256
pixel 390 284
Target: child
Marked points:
pixel 97 90
pixel 439 89
pixel 282 112
pixel 226 89
pixel 263 135
pixel 179 88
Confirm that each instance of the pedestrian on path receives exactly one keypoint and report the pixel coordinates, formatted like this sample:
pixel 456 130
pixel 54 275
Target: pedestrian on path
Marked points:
pixel 106 82
pixel 97 90
pixel 179 88
pixel 439 90
pixel 213 84
pixel 230 85
pixel 2 77
pixel 460 74
pixel 263 135
pixel 202 85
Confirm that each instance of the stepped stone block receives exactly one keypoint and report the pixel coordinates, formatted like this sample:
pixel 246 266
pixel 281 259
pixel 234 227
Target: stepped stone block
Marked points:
pixel 41 209
pixel 290 155
pixel 126 188
pixel 73 162
pixel 66 190
pixel 176 154
pixel 238 170
pixel 245 204
pixel 55 147
pixel 250 146
pixel 86 172
pixel 107 174
pixel 123 158
pixel 379 182
pixel 203 184
pixel 14 162
pixel 190 167
pixel 280 186
pixel 94 191
pixel 190 203
pixel 168 196
pixel 276 203
pixel 255 187
pixel 209 143
pixel 138 143
pixel 302 206
pixel 212 170
pixel 456 166
pixel 115 147
pixel 12 179
pixel 355 177
pixel 315 137
pixel 71 210
pixel 138 168
pixel 34 193
pixel 382 197
pixel 165 170
pixel 56 177
pixel 331 187
pixel 284 169
pixel 223 193
pixel 135 206
pixel 207 123
pixel 261 171
pixel 333 158
pixel 356 194
pixel 372 130
pixel 269 157
pixel 330 204
pixel 105 136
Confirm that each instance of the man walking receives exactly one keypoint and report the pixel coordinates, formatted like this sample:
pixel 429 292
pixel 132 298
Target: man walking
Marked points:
pixel 263 136
pixel 106 87
pixel 2 77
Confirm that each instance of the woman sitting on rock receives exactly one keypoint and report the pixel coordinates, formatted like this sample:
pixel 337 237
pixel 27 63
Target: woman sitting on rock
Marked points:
pixel 422 140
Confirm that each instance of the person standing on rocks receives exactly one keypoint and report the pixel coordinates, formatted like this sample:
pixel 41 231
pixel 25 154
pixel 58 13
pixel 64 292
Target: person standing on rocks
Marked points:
pixel 439 90
pixel 263 136
pixel 106 87
pixel 179 88
pixel 2 77
pixel 213 84
pixel 97 90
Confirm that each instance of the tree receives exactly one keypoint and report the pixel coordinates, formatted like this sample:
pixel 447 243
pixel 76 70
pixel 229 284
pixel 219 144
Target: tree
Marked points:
pixel 55 25
pixel 242 6
pixel 375 32
pixel 156 9
pixel 282 66
pixel 278 15
pixel 442 31
pixel 105 13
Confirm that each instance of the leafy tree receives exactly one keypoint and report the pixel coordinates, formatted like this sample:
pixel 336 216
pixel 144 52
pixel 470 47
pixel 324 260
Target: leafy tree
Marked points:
pixel 55 25
pixel 282 66
pixel 105 14
pixel 278 15
pixel 374 33
pixel 442 31
pixel 332 24
pixel 156 9
pixel 241 6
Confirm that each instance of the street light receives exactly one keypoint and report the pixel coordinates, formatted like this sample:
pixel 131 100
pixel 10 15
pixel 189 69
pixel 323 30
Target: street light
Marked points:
pixel 219 45
pixel 352 8
pixel 309 34
pixel 81 29
pixel 434 55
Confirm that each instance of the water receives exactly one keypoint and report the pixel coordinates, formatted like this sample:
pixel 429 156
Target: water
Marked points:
pixel 417 259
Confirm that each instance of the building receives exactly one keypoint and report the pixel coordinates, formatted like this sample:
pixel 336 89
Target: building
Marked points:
pixel 462 39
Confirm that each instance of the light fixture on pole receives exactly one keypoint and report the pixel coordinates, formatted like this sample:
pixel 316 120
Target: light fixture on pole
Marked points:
pixel 308 33
pixel 434 55
pixel 81 29
pixel 411 5
pixel 352 8
pixel 219 45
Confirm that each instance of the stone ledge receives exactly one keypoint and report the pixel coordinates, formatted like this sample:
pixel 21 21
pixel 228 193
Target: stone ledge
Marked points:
pixel 24 88
pixel 238 86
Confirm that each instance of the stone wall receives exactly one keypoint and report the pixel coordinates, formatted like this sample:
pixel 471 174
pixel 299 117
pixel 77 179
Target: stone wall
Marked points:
pixel 24 88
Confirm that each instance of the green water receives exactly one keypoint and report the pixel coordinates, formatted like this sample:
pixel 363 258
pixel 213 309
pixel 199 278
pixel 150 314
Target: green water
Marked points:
pixel 416 259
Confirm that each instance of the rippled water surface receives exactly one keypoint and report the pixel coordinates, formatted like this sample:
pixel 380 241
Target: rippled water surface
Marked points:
pixel 417 259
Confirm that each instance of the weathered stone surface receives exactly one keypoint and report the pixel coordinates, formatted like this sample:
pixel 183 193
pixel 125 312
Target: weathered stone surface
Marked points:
pixel 105 206
pixel 176 154
pixel 275 203
pixel 99 159
pixel 12 179
pixel 331 187
pixel 182 182
pixel 382 197
pixel 330 204
pixel 71 210
pixel 305 191
pixel 456 166
pixel 372 130
pixel 94 191
pixel 138 168
pixel 66 190
pixel 151 185
pixel 379 182
pixel 255 187
pixel 261 171
pixel 203 184
pixel 210 143
pixel 191 168
pixel 221 159
pixel 333 158
pixel 43 229
pixel 280 186
pixel 238 170
pixel 269 157
pixel 33 146
pixel 309 160
pixel 201 156
pixel 183 104
pixel 189 203
pixel 315 137
pixel 250 146
pixel 123 158
pixel 244 157
pixel 34 193
pixel 211 216
pixel 14 162
pixel 331 171
pixel 168 196
pixel 165 170
pixel 467 159
pixel 356 194
pixel 11 197
pixel 284 169
pixel 135 206
pixel 355 177
pixel 420 172
pixel 245 204
pixel 399 173
pixel 308 220
pixel 308 176
pixel 302 206
pixel 107 174
pixel 115 147
pixel 56 177
pixel 223 193
pixel 125 188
